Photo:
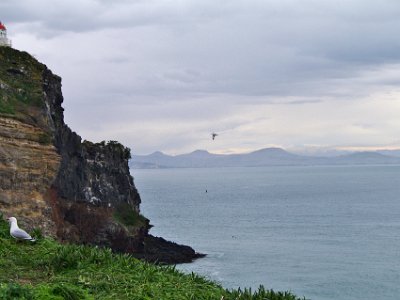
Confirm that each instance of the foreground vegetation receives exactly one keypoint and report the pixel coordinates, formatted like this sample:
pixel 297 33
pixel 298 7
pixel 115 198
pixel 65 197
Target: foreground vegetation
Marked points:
pixel 48 270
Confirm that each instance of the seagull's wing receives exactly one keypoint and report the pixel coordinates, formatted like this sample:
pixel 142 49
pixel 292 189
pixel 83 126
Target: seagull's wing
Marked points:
pixel 20 234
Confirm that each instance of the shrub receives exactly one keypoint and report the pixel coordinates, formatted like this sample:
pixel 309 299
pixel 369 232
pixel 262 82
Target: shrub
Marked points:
pixel 128 217
pixel 44 139
pixel 69 292
pixel 12 291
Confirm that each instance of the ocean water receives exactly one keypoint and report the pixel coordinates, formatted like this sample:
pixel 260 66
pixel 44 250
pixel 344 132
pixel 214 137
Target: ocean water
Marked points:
pixel 320 232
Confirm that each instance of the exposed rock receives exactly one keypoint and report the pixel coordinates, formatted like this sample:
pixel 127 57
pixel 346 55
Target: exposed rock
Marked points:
pixel 72 190
pixel 159 250
pixel 27 169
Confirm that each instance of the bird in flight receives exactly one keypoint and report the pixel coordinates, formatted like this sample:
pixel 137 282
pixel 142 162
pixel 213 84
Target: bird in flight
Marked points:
pixel 213 135
pixel 17 233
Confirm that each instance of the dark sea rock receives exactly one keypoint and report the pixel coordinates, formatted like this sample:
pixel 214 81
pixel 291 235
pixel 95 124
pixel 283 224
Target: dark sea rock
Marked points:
pixel 159 250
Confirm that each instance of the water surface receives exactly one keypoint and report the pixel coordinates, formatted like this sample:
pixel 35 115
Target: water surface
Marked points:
pixel 321 232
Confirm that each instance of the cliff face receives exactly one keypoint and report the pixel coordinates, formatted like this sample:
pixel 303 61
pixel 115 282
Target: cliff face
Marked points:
pixel 27 169
pixel 95 173
pixel 28 161
pixel 73 190
pixel 49 178
pixel 93 185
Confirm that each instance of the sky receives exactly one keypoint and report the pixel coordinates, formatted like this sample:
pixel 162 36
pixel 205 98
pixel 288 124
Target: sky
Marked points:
pixel 162 75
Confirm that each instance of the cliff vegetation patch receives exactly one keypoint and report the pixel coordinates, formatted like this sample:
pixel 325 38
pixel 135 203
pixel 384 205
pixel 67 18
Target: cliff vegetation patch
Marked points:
pixel 21 86
pixel 128 217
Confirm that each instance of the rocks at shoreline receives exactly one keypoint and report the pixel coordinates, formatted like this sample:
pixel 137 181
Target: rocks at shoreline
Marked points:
pixel 159 250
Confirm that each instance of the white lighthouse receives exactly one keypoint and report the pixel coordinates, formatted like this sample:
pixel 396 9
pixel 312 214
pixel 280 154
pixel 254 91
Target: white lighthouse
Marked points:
pixel 4 41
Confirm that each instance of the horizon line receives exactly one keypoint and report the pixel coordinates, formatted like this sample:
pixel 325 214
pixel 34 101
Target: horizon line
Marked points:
pixel 307 151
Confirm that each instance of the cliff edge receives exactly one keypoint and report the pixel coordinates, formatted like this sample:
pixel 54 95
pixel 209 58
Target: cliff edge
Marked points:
pixel 75 191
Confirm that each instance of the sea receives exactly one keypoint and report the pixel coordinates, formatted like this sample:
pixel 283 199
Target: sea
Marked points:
pixel 322 232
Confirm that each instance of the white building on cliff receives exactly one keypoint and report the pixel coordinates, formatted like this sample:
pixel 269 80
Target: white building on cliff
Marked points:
pixel 4 41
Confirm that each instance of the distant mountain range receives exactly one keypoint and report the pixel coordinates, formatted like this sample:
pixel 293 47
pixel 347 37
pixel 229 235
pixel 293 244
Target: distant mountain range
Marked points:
pixel 263 157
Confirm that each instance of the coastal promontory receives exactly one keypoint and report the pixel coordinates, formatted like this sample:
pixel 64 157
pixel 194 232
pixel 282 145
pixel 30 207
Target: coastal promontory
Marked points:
pixel 73 190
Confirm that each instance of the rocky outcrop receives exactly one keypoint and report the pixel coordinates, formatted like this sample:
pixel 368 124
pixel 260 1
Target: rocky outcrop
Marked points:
pixel 27 169
pixel 75 191
pixel 157 249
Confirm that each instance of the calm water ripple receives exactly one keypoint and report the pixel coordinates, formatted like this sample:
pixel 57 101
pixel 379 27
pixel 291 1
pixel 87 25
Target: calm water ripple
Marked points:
pixel 321 232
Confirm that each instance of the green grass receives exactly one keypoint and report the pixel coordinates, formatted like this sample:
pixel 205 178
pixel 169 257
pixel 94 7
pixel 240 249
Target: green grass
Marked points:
pixel 20 82
pixel 128 217
pixel 49 270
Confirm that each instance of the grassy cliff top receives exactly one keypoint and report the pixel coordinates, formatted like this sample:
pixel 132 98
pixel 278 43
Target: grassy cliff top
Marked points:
pixel 49 270
pixel 21 84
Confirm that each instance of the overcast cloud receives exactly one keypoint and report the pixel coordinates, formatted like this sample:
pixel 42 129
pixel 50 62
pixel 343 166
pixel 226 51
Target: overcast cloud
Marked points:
pixel 163 75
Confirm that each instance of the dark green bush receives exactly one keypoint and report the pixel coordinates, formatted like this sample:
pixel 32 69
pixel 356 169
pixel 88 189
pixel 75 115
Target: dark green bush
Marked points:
pixel 44 139
pixel 12 291
pixel 128 217
pixel 68 292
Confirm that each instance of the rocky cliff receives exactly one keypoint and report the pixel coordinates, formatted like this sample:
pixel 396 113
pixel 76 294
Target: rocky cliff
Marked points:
pixel 75 191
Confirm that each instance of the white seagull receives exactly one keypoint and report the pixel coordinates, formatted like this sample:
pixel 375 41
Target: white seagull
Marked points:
pixel 18 233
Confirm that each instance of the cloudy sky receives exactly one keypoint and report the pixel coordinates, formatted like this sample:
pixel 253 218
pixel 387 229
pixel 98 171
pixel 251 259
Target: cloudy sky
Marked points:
pixel 162 75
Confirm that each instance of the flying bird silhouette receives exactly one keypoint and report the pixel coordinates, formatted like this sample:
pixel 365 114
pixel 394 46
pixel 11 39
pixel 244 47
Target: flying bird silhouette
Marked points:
pixel 17 233
pixel 213 135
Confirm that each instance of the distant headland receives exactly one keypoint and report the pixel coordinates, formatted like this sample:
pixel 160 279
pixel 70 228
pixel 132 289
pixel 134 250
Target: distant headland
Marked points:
pixel 262 157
